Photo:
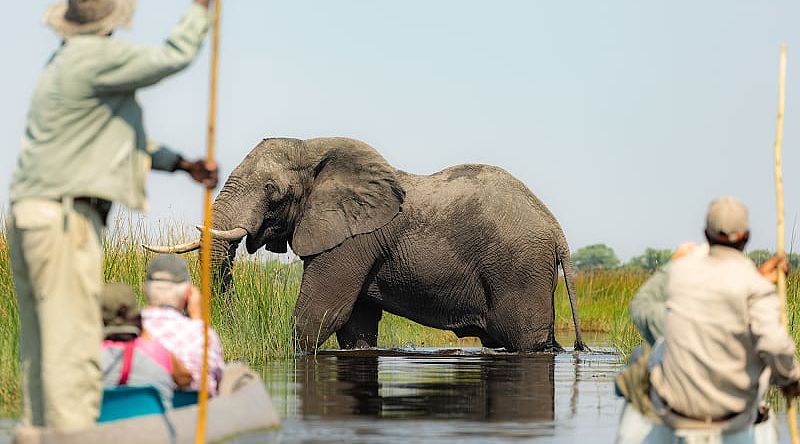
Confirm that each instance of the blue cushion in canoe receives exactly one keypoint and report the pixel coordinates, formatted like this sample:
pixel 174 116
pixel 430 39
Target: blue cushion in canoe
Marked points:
pixel 129 402
pixel 183 398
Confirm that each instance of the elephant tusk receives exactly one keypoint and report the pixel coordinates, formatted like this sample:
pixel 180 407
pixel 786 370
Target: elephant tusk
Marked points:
pixel 233 235
pixel 172 249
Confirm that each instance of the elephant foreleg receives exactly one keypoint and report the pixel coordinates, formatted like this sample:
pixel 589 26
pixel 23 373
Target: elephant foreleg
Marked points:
pixel 361 330
pixel 313 325
pixel 332 283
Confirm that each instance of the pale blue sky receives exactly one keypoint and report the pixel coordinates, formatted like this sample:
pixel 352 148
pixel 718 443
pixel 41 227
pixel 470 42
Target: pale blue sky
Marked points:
pixel 624 117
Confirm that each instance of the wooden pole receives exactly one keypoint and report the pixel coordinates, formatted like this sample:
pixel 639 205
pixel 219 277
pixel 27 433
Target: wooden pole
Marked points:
pixel 205 248
pixel 791 411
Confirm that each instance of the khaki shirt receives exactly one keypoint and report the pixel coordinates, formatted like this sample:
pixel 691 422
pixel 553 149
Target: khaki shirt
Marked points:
pixel 84 133
pixel 648 306
pixel 723 328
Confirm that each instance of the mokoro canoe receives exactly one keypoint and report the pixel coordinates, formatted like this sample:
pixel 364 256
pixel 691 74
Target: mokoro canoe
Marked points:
pixel 637 428
pixel 246 409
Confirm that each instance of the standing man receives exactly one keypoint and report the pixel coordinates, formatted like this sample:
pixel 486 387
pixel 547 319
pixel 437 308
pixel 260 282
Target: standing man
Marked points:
pixel 84 147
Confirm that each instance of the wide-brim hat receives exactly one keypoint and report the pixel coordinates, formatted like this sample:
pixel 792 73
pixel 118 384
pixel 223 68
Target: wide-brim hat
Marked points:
pixel 113 14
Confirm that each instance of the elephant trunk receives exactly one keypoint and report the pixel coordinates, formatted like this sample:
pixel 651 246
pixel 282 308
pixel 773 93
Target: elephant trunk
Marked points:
pixel 223 249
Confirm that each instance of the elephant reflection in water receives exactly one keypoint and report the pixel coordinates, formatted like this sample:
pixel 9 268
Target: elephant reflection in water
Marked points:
pixel 485 388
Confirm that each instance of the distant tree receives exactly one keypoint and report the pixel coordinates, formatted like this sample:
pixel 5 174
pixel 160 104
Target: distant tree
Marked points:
pixel 595 257
pixel 760 256
pixel 650 260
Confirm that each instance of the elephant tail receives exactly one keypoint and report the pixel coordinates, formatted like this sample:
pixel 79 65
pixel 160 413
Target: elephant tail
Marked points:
pixel 569 276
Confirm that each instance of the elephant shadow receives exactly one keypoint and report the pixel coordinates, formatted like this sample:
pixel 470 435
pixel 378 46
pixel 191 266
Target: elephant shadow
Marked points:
pixel 518 388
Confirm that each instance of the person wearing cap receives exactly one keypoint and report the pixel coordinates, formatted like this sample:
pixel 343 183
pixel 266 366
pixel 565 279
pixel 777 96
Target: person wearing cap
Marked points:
pixel 173 318
pixel 129 356
pixel 723 340
pixel 84 147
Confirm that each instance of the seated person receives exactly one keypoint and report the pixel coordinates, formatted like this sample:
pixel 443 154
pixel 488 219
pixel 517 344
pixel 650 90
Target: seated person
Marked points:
pixel 719 343
pixel 129 355
pixel 169 292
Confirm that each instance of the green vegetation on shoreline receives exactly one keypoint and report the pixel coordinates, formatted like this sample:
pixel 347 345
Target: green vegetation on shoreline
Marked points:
pixel 603 299
pixel 9 325
pixel 256 325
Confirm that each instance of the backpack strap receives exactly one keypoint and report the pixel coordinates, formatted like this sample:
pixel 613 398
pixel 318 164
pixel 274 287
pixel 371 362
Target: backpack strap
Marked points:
pixel 127 362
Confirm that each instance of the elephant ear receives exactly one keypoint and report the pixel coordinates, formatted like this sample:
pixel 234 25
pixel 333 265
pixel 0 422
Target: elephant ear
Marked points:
pixel 355 191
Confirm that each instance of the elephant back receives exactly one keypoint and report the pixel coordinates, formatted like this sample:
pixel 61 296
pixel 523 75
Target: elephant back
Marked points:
pixel 481 190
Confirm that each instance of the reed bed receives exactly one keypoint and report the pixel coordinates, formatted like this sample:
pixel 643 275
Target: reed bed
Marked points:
pixel 603 299
pixel 256 325
pixel 9 327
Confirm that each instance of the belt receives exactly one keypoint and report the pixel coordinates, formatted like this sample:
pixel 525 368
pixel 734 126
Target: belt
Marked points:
pixel 718 419
pixel 656 398
pixel 92 201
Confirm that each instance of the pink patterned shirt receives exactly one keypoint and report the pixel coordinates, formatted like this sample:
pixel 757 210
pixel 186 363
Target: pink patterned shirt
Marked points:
pixel 184 338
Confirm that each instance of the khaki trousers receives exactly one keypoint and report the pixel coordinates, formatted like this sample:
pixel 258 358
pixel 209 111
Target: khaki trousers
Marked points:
pixel 56 259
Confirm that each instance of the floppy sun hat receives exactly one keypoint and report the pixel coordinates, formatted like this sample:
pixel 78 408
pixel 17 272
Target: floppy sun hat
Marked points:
pixel 88 17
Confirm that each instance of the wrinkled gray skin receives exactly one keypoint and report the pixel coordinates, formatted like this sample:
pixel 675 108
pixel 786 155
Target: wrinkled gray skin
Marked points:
pixel 468 249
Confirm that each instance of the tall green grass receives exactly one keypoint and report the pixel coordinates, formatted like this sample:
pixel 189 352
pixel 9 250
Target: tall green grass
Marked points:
pixel 256 325
pixel 9 328
pixel 603 299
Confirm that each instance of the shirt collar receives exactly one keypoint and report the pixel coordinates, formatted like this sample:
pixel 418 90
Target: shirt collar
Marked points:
pixel 724 252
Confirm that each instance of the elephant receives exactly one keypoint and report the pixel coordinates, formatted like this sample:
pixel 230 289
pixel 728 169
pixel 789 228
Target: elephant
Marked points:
pixel 468 249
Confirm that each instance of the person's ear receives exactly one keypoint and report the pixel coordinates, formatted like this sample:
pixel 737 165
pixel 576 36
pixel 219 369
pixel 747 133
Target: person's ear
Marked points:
pixel 186 294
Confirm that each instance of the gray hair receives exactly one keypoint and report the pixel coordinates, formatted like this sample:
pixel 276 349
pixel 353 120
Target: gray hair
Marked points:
pixel 168 293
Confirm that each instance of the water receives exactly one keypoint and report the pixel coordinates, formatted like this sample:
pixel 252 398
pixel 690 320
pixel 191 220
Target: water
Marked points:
pixel 463 395
pixel 444 395
pixel 6 428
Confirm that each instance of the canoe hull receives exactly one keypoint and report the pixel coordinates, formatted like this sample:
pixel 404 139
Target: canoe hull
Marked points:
pixel 247 409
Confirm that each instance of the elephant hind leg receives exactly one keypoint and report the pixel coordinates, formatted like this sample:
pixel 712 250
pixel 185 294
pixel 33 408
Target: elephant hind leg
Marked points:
pixel 490 342
pixel 486 340
pixel 361 330
pixel 524 323
pixel 532 340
